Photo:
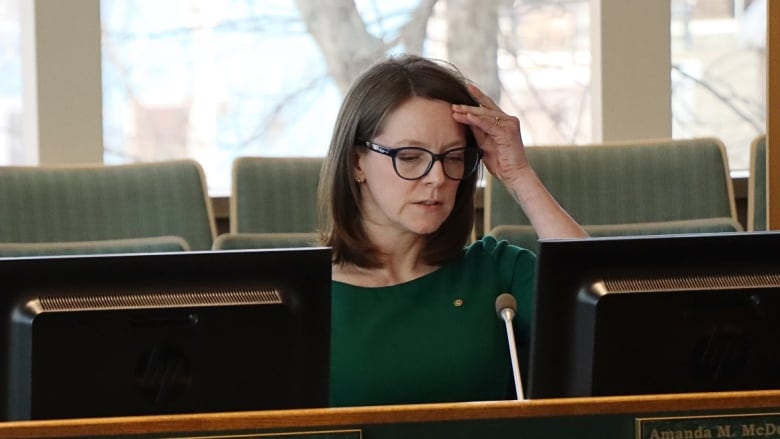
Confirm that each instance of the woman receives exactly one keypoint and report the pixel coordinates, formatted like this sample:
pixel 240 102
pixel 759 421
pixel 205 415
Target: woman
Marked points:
pixel 413 307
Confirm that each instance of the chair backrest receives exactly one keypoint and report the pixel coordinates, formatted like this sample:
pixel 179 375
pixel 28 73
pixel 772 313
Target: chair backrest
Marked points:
pixel 44 204
pixel 629 182
pixel 274 194
pixel 155 244
pixel 757 193
pixel 525 236
pixel 238 241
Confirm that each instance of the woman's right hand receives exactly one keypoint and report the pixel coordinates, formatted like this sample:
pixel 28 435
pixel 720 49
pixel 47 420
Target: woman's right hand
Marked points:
pixel 497 133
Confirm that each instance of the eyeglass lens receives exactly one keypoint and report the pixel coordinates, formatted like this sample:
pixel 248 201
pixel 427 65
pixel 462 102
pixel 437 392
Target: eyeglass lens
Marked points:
pixel 413 163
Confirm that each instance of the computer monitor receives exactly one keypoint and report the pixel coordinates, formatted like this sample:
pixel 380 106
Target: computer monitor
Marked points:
pixel 656 314
pixel 143 334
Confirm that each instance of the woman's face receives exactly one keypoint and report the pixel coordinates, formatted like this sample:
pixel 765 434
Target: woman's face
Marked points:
pixel 410 206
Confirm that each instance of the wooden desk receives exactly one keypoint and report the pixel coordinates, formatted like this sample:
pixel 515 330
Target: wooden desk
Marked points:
pixel 723 414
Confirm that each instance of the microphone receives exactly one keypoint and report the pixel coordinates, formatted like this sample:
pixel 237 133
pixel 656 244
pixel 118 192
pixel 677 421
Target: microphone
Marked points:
pixel 506 306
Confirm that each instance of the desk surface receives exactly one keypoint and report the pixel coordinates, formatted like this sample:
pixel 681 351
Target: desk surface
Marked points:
pixel 537 418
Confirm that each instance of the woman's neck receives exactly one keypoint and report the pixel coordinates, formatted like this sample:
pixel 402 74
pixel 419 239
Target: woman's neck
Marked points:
pixel 400 262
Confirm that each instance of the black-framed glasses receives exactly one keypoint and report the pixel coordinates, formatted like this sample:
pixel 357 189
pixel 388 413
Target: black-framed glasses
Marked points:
pixel 414 163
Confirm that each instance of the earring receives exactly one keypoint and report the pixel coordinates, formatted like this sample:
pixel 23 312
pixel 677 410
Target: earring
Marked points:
pixel 359 180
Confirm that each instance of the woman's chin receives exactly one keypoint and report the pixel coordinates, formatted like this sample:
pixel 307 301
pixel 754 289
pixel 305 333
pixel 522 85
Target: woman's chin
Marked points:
pixel 426 229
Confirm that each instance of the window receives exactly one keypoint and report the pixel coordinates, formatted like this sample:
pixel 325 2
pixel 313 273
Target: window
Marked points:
pixel 11 148
pixel 214 80
pixel 719 72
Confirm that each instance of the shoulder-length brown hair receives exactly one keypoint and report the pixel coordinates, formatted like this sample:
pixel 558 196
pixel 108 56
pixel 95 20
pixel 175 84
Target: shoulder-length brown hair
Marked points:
pixel 371 98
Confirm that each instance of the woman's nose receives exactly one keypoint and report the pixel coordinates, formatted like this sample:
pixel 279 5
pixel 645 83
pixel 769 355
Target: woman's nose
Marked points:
pixel 436 174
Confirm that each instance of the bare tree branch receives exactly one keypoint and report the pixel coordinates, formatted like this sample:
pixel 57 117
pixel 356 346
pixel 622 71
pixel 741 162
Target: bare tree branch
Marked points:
pixel 347 46
pixel 260 131
pixel 472 43
pixel 723 99
pixel 413 33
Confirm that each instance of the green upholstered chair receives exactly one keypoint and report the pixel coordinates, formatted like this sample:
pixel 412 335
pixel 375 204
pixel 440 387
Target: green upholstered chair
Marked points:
pixel 756 203
pixel 524 236
pixel 274 194
pixel 236 241
pixel 626 183
pixel 62 204
pixel 135 245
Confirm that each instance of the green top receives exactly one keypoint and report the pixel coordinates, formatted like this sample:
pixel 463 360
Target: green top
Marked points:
pixel 433 339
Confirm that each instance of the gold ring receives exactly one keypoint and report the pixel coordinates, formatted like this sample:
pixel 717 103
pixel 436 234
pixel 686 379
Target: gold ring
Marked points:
pixel 498 122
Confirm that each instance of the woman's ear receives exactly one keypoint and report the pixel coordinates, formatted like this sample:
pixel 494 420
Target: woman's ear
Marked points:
pixel 357 169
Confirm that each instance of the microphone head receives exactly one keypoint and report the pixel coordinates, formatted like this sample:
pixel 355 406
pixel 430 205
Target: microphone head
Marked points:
pixel 505 301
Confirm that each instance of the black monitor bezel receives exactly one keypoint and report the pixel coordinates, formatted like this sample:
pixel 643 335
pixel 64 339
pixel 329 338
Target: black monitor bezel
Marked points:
pixel 563 266
pixel 303 275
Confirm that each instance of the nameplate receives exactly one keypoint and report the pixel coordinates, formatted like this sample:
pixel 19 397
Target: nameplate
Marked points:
pixel 329 434
pixel 754 425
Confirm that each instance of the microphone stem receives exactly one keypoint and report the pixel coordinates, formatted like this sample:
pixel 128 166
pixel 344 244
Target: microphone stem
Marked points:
pixel 510 335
